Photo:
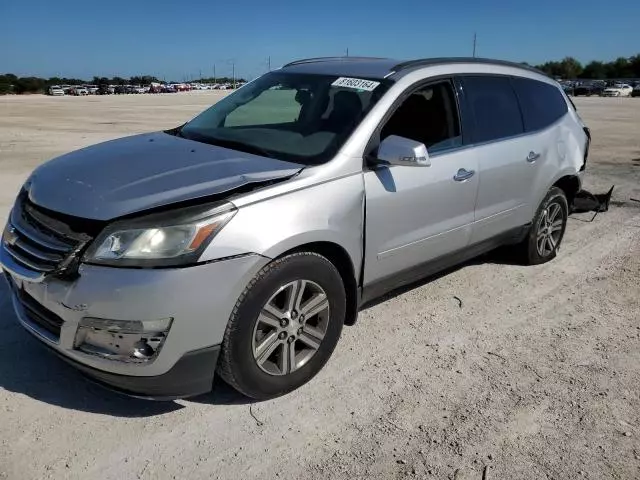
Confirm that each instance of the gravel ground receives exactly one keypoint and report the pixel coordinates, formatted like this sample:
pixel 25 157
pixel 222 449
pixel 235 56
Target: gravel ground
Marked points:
pixel 534 376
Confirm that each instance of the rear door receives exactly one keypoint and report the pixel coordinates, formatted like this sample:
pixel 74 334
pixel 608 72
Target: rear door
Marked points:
pixel 543 107
pixel 501 149
pixel 417 214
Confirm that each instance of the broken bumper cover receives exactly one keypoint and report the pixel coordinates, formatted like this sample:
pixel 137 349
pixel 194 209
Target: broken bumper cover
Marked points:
pixel 192 375
pixel 585 201
pixel 198 299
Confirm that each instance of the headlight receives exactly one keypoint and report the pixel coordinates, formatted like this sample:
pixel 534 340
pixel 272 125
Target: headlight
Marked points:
pixel 166 239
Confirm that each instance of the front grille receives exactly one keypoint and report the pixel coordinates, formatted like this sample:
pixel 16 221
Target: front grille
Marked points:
pixel 39 315
pixel 39 242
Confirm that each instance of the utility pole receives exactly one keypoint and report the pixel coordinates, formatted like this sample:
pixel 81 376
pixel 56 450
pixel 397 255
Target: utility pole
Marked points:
pixel 269 63
pixel 347 51
pixel 200 79
pixel 474 44
pixel 233 67
pixel 214 74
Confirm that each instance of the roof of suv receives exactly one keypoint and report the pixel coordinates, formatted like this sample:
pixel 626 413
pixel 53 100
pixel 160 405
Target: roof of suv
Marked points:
pixel 372 67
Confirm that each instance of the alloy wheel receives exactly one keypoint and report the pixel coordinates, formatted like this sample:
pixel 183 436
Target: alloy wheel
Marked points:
pixel 290 327
pixel 549 229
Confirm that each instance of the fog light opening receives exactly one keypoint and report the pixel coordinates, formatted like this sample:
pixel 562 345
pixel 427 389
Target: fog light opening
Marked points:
pixel 143 350
pixel 132 341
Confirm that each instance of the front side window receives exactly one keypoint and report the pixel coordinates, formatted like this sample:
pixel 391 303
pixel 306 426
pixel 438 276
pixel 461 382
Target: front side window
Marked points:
pixel 302 118
pixel 542 104
pixel 495 107
pixel 429 116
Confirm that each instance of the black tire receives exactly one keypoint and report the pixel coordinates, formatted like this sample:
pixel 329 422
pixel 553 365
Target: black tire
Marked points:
pixel 237 364
pixel 529 250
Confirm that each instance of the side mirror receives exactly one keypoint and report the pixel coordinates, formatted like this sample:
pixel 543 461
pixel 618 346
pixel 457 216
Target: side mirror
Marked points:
pixel 395 150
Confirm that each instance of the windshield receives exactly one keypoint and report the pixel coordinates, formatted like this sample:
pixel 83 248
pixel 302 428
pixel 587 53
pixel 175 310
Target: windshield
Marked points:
pixel 300 118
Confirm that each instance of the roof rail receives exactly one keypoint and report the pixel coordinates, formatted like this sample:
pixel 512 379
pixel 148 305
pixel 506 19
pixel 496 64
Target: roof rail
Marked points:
pixel 424 62
pixel 331 59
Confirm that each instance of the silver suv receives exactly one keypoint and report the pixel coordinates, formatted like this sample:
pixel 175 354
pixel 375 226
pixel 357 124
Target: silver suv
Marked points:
pixel 242 241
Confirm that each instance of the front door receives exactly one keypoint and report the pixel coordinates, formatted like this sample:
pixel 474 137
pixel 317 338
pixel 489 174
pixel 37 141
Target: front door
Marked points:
pixel 417 214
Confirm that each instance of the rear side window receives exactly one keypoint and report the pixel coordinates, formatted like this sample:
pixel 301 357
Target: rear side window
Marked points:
pixel 494 106
pixel 542 104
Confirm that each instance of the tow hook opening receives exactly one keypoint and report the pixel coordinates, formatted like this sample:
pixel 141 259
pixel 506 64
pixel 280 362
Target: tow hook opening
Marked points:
pixel 585 201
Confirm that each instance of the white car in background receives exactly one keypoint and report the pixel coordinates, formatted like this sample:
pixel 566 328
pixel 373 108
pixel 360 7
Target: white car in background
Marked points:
pixel 618 90
pixel 56 91
pixel 79 91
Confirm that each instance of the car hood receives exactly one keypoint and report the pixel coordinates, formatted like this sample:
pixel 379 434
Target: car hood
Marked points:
pixel 133 174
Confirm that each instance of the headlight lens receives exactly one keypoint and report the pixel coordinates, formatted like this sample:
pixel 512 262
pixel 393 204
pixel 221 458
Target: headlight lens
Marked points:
pixel 159 240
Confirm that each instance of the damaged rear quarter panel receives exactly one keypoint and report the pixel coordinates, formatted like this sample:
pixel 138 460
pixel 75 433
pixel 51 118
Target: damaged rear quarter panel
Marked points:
pixel 570 141
pixel 330 211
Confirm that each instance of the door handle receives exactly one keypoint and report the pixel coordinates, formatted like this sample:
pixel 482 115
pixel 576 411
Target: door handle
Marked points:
pixel 532 157
pixel 463 175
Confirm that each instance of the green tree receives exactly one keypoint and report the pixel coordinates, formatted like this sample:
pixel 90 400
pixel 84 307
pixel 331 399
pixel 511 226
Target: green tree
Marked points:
pixel 634 66
pixel 552 69
pixel 595 70
pixel 620 68
pixel 570 68
pixel 7 83
pixel 29 85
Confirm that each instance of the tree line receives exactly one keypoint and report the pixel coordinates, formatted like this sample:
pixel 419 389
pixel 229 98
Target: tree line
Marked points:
pixel 569 68
pixel 10 83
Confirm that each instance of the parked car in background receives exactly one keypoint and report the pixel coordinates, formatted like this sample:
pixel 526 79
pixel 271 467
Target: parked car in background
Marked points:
pixel 120 89
pixel 618 90
pixel 55 90
pixel 235 246
pixel 636 90
pixel 92 89
pixel 105 90
pixel 588 89
pixel 568 88
pixel 79 90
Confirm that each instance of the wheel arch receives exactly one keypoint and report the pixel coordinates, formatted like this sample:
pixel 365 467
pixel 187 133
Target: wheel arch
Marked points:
pixel 340 258
pixel 570 185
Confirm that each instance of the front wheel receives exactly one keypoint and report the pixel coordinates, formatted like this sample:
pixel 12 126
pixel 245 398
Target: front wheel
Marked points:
pixel 547 229
pixel 284 327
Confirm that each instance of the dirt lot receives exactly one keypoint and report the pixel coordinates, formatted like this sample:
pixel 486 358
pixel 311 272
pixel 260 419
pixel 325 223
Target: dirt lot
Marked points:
pixel 536 376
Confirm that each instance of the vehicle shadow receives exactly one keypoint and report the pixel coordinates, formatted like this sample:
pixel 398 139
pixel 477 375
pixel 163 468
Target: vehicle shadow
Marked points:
pixel 500 256
pixel 28 368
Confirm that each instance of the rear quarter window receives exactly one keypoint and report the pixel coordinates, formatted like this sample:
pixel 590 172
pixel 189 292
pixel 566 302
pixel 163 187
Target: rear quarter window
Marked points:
pixel 542 104
pixel 494 106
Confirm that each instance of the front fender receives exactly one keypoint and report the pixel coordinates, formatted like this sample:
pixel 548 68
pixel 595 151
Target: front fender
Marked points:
pixel 331 211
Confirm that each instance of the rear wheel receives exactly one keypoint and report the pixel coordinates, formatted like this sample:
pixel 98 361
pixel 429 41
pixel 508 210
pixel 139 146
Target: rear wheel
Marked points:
pixel 547 230
pixel 284 326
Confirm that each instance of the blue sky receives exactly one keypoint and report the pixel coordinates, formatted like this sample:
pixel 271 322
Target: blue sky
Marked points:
pixel 179 38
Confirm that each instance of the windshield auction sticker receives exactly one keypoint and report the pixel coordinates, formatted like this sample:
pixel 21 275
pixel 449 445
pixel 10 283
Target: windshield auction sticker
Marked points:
pixel 356 83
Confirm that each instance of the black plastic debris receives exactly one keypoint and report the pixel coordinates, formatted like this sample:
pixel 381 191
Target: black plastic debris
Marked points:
pixel 585 201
